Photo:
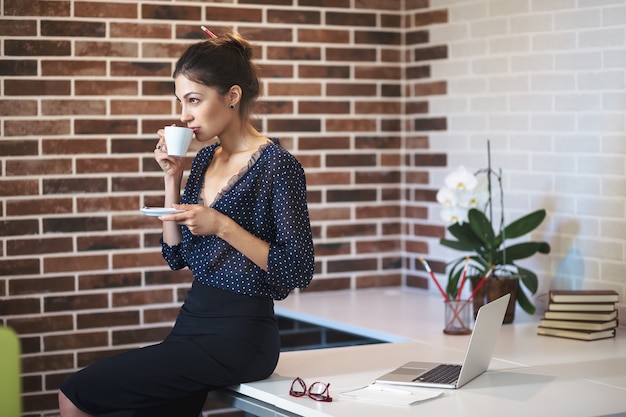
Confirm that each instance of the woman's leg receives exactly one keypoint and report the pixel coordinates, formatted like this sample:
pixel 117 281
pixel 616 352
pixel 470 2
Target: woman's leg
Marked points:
pixel 68 409
pixel 148 378
pixel 190 406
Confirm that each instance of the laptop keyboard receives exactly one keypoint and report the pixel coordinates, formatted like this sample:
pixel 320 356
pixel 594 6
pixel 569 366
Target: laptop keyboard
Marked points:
pixel 441 374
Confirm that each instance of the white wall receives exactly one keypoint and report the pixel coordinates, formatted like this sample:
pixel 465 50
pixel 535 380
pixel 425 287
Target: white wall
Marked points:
pixel 544 81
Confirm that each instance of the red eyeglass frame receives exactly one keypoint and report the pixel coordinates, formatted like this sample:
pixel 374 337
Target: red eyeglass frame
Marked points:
pixel 324 396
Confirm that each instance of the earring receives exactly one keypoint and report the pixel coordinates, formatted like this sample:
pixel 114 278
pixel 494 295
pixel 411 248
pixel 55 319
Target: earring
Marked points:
pixel 232 106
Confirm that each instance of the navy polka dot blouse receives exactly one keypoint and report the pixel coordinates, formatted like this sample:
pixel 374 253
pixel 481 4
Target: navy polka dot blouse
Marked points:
pixel 269 201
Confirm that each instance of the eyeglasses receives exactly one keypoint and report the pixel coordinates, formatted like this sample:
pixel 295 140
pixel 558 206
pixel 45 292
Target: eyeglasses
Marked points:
pixel 318 391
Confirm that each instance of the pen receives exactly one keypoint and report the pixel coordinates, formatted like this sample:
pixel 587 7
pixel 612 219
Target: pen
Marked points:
pixel 432 275
pixel 480 284
pixel 208 32
pixel 458 296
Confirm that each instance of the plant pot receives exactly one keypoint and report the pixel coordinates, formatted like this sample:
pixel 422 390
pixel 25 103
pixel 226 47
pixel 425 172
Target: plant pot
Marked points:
pixel 493 289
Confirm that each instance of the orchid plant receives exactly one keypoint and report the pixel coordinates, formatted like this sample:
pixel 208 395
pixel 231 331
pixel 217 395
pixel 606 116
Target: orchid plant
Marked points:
pixel 466 197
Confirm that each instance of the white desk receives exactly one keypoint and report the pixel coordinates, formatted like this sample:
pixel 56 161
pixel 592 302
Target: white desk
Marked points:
pixel 529 374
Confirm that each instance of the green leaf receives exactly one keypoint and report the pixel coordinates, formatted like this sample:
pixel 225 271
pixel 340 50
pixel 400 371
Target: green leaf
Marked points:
pixel 456 270
pixel 523 250
pixel 544 247
pixel 524 302
pixel 454 244
pixel 524 225
pixel 481 226
pixel 529 279
pixel 465 235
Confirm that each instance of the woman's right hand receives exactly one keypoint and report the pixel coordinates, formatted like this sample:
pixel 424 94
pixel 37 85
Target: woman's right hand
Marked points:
pixel 171 165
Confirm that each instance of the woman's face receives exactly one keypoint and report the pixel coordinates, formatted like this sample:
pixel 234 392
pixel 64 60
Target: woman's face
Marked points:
pixel 202 108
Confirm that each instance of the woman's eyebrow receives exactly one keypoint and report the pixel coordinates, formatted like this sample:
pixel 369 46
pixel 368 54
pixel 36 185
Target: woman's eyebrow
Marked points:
pixel 186 95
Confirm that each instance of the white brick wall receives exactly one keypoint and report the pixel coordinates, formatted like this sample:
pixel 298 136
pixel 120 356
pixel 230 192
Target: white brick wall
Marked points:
pixel 544 80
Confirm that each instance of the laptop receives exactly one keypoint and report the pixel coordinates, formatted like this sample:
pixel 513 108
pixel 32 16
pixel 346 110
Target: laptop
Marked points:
pixel 476 361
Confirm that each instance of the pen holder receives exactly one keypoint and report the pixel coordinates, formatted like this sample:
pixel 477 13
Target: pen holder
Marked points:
pixel 457 317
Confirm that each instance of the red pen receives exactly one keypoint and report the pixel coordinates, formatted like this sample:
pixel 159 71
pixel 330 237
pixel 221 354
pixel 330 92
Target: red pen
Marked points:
pixel 480 284
pixel 427 267
pixel 458 296
pixel 208 32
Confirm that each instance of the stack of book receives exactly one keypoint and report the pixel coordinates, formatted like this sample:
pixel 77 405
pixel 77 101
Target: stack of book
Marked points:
pixel 580 314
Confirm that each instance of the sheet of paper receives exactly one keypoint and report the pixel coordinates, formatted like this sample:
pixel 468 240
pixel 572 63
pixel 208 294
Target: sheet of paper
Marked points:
pixel 391 395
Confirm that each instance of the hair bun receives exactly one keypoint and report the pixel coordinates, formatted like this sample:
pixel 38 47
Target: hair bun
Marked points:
pixel 236 41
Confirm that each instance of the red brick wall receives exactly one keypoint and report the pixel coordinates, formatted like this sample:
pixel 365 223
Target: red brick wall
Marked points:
pixel 86 84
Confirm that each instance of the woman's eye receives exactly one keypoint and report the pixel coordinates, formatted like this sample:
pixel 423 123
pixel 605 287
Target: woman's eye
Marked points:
pixel 194 100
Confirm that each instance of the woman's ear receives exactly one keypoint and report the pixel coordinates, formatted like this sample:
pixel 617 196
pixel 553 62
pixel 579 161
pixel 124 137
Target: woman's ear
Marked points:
pixel 234 95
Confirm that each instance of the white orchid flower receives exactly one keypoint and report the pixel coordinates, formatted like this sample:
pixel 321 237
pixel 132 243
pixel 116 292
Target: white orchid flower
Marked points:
pixel 466 199
pixel 461 179
pixel 480 194
pixel 454 215
pixel 446 197
pixel 462 191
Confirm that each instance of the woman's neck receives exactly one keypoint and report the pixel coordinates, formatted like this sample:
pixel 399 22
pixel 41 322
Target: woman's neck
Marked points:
pixel 242 140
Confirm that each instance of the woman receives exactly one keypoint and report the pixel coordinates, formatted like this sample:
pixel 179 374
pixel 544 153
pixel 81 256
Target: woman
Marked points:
pixel 244 232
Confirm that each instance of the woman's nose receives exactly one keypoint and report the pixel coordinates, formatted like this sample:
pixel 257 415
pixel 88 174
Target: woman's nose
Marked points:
pixel 185 116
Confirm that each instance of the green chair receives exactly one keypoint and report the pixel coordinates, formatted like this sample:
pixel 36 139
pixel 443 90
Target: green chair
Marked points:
pixel 10 384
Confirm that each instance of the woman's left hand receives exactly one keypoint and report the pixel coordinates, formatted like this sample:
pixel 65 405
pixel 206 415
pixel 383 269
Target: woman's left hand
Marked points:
pixel 200 220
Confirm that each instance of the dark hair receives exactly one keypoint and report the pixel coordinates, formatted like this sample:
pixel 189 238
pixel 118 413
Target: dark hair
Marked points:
pixel 221 63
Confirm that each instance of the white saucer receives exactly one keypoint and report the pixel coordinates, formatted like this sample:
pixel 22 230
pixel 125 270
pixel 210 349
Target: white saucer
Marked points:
pixel 159 211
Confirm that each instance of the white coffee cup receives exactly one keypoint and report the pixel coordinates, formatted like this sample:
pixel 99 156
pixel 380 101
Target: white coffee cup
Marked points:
pixel 177 140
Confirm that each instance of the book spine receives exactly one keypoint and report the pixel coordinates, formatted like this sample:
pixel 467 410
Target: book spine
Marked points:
pixel 577 335
pixel 578 325
pixel 583 296
pixel 582 307
pixel 597 316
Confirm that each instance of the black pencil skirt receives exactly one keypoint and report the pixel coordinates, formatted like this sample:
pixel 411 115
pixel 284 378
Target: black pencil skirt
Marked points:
pixel 219 339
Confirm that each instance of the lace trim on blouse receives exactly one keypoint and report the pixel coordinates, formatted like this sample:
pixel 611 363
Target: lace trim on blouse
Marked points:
pixel 233 180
